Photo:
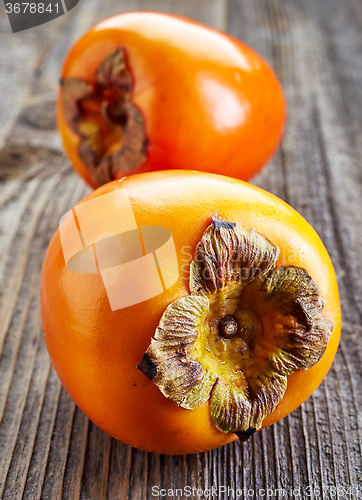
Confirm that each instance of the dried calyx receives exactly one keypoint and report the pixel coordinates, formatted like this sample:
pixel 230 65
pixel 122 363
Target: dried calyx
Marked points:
pixel 244 328
pixel 110 126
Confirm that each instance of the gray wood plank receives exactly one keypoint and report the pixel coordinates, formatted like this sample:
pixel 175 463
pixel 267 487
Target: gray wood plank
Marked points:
pixel 37 467
pixel 318 171
pixel 16 478
pixel 34 478
pixel 21 58
pixel 58 452
pixel 120 470
pixel 96 465
pixel 48 448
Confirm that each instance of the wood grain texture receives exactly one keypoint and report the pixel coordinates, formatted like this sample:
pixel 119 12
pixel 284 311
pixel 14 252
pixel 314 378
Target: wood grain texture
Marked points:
pixel 48 448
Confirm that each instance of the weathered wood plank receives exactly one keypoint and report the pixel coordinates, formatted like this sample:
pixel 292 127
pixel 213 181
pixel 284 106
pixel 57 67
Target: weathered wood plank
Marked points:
pixel 48 449
pixel 318 172
pixel 39 116
pixel 16 478
pixel 22 339
pixel 41 444
pixel 76 458
pixel 20 61
pixel 120 470
pixel 139 471
pixel 96 465
pixel 59 446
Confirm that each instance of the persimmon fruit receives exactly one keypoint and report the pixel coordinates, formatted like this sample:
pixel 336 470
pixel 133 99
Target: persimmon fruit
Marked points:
pixel 242 329
pixel 145 91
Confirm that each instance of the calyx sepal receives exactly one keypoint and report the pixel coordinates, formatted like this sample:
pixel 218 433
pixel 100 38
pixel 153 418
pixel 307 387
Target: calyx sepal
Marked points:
pixel 245 327
pixel 110 125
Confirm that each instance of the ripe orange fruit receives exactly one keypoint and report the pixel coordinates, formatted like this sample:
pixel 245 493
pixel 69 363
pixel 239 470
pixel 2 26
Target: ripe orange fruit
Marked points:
pixel 117 275
pixel 144 91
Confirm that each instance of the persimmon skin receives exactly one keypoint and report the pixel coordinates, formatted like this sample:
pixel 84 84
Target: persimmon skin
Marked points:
pixel 95 351
pixel 209 102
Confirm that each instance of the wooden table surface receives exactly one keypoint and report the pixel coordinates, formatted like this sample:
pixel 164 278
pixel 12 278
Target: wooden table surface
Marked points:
pixel 48 448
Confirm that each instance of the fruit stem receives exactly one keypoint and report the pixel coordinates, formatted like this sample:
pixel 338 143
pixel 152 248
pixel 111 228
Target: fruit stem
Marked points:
pixel 228 327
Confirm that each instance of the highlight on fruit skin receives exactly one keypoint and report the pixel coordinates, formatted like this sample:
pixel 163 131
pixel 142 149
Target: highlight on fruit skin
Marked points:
pixel 243 327
pixel 145 91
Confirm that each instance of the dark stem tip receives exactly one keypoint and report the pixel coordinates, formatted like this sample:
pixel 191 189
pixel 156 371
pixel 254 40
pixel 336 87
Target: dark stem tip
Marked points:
pixel 245 435
pixel 219 223
pixel 147 367
pixel 228 327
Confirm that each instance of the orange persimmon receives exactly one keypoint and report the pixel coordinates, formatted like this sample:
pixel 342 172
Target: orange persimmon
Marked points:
pixel 145 91
pixel 117 274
